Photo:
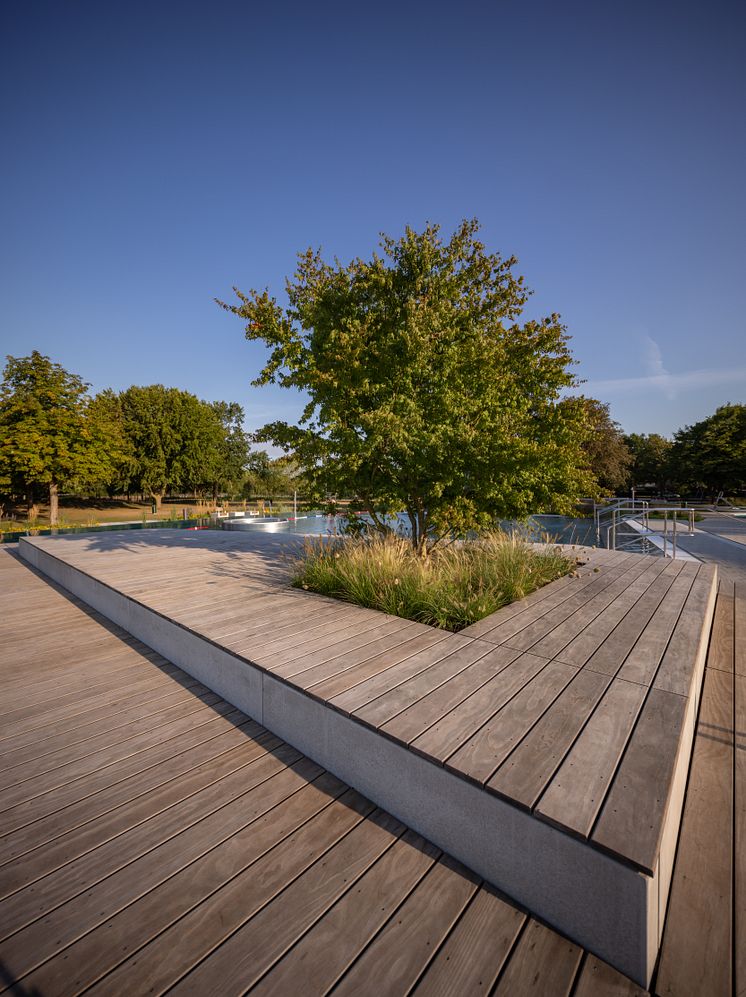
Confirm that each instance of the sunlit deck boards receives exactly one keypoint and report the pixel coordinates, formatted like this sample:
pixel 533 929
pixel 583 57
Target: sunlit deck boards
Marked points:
pixel 576 706
pixel 704 942
pixel 153 838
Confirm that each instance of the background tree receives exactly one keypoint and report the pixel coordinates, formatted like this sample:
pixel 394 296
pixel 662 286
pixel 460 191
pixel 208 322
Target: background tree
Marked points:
pixel 51 436
pixel 107 410
pixel 174 438
pixel 425 394
pixel 270 478
pixel 228 457
pixel 178 442
pixel 608 456
pixel 651 457
pixel 711 454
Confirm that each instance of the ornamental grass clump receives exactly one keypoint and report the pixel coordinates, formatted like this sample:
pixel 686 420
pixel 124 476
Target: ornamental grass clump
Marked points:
pixel 452 587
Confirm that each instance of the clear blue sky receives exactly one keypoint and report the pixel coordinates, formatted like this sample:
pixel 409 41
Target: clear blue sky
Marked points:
pixel 154 154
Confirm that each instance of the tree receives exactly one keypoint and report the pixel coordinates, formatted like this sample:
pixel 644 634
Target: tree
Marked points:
pixel 171 437
pixel 177 441
pixel 425 394
pixel 650 460
pixel 608 457
pixel 227 460
pixel 711 454
pixel 267 477
pixel 51 437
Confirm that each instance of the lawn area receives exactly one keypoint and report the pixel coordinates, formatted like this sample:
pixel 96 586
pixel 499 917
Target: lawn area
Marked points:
pixel 453 587
pixel 95 512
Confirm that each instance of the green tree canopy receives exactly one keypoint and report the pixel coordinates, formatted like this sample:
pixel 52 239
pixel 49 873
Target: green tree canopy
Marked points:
pixel 711 454
pixel 651 455
pixel 177 441
pixel 51 435
pixel 227 459
pixel 268 477
pixel 608 456
pixel 426 395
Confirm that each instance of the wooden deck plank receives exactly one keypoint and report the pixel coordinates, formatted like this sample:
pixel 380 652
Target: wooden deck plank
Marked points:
pixel 350 678
pixel 182 905
pixel 411 722
pixel 676 672
pixel 722 645
pixel 27 812
pixel 337 662
pixel 66 846
pixel 198 760
pixel 555 606
pixel 71 730
pixel 598 612
pixel 614 632
pixel 38 785
pixel 487 749
pixel 577 790
pixel 96 887
pixel 400 697
pixel 482 627
pixel 24 769
pixel 476 950
pixel 534 760
pixel 374 860
pixel 739 795
pixel 740 628
pixel 598 979
pixel 631 819
pixel 399 954
pixel 642 663
pixel 363 693
pixel 68 715
pixel 697 943
pixel 595 593
pixel 363 645
pixel 542 963
pixel 448 734
pixel 257 846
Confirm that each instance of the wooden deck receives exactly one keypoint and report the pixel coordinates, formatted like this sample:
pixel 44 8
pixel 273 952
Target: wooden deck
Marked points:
pixel 155 839
pixel 576 705
pixel 487 702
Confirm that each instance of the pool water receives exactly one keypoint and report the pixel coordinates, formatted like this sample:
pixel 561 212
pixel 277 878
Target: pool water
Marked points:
pixel 559 529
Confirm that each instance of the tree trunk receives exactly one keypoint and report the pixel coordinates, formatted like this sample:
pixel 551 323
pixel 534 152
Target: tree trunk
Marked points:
pixel 32 506
pixel 54 504
pixel 157 499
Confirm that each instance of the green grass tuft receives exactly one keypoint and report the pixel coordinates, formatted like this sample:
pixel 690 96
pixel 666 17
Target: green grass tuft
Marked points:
pixel 451 588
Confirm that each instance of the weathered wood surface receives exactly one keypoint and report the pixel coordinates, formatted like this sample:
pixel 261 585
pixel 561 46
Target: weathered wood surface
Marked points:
pixel 223 856
pixel 555 702
pixel 704 940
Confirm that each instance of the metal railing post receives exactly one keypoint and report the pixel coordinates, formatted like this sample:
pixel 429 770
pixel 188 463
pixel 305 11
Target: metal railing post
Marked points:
pixel 674 536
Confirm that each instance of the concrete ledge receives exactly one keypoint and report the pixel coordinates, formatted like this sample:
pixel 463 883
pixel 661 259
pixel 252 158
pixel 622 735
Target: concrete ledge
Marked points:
pixel 597 900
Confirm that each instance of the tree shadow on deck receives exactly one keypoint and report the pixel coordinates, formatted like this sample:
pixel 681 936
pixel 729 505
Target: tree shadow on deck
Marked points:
pixel 260 558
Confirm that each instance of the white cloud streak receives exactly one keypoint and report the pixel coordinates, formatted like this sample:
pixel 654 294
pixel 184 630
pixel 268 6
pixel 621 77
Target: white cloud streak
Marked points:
pixel 668 383
pixel 655 370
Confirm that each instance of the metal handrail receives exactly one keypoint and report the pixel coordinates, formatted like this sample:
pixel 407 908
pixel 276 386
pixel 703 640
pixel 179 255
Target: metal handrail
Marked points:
pixel 617 518
pixel 611 507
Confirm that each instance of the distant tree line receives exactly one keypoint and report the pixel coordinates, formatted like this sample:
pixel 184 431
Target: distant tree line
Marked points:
pixel 155 441
pixel 702 460
pixel 150 440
